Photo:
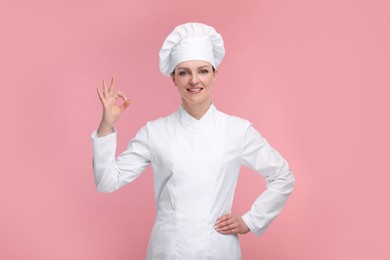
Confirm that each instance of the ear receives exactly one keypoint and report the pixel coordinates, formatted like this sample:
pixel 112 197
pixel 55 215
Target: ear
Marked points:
pixel 215 74
pixel 173 78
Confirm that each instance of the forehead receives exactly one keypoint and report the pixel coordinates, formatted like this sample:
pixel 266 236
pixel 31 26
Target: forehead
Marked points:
pixel 193 64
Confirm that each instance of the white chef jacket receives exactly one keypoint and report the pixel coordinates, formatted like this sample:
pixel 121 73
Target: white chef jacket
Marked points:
pixel 195 169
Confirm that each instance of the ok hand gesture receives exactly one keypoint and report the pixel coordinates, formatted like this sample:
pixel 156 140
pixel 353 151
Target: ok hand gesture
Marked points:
pixel 111 111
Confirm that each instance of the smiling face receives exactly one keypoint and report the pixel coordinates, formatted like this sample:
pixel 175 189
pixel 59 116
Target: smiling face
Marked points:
pixel 194 81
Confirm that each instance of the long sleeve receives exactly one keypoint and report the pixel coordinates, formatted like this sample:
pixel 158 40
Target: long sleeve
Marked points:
pixel 260 156
pixel 111 173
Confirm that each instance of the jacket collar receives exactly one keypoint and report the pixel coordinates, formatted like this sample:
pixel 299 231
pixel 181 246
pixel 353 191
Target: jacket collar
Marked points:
pixel 207 119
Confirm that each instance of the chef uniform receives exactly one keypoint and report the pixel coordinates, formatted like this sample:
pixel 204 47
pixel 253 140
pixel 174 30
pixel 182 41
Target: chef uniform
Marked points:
pixel 196 164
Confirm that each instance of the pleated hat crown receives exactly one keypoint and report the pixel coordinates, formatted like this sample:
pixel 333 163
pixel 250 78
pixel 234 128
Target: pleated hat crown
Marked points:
pixel 191 41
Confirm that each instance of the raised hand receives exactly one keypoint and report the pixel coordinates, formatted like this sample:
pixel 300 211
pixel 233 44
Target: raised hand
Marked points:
pixel 111 111
pixel 231 224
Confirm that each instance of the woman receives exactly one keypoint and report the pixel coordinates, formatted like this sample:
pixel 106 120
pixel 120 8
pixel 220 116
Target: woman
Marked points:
pixel 196 154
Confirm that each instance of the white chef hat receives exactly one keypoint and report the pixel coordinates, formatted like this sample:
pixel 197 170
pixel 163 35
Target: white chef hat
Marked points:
pixel 191 41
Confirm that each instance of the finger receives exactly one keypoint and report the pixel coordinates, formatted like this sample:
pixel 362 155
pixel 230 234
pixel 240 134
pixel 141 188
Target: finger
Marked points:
pixel 100 94
pixel 228 226
pixel 224 224
pixel 223 218
pixel 122 95
pixel 115 96
pixel 231 231
pixel 111 89
pixel 119 94
pixel 105 92
pixel 125 105
pixel 224 221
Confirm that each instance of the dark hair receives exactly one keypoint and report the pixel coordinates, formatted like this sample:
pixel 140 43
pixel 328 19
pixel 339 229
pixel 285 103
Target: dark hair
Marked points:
pixel 173 72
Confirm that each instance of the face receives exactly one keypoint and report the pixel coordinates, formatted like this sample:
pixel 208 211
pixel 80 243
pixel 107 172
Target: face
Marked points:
pixel 194 81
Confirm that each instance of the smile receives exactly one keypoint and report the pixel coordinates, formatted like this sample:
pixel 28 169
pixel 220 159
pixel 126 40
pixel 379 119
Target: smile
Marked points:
pixel 194 90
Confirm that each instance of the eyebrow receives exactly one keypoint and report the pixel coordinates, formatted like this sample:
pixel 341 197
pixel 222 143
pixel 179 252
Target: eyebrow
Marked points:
pixel 205 66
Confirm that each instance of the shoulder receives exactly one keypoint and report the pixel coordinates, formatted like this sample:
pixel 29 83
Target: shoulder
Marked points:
pixel 235 128
pixel 156 129
pixel 160 122
pixel 234 122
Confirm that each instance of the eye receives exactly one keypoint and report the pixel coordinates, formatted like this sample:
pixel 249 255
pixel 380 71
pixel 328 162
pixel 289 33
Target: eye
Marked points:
pixel 204 71
pixel 182 73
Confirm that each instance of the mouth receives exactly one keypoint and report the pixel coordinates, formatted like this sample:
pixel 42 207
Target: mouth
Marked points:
pixel 194 90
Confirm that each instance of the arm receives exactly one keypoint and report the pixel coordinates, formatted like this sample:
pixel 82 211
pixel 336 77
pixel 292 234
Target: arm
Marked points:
pixel 111 173
pixel 256 153
pixel 260 156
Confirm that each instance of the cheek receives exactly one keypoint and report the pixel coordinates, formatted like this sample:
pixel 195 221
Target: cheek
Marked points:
pixel 210 82
pixel 180 83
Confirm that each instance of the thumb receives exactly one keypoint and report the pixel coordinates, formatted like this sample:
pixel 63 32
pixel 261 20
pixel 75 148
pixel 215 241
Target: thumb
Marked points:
pixel 125 105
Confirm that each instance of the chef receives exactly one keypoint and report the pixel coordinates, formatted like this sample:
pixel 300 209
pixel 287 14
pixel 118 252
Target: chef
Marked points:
pixel 196 154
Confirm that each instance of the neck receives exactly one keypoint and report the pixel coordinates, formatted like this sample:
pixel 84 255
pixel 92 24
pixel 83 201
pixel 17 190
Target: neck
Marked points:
pixel 197 110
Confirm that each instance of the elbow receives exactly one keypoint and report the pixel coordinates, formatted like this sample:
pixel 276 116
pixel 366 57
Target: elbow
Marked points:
pixel 104 187
pixel 284 183
pixel 290 181
pixel 103 182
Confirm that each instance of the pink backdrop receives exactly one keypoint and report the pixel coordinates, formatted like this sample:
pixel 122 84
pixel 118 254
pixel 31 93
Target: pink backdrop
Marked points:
pixel 312 76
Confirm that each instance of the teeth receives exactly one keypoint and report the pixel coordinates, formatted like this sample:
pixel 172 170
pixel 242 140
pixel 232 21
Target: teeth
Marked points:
pixel 194 89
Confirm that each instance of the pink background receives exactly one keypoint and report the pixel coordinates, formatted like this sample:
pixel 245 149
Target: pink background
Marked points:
pixel 312 76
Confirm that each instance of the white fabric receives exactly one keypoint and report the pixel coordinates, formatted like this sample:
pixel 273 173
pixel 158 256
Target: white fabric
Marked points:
pixel 196 164
pixel 191 41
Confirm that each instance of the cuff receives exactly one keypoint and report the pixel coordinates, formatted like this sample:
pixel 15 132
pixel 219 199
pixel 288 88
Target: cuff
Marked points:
pixel 248 221
pixel 106 138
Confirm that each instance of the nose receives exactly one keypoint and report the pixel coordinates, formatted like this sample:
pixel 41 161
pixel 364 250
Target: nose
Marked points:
pixel 194 80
